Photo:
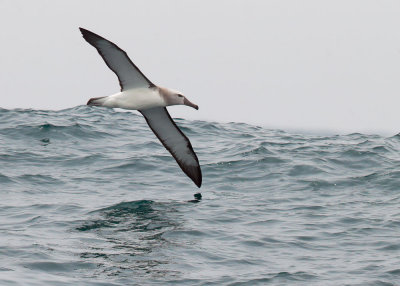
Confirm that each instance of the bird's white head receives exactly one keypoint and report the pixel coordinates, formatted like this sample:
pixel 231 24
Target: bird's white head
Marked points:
pixel 173 97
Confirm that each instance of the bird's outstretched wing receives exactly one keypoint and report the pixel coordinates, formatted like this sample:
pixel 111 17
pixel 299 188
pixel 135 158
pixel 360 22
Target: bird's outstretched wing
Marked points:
pixel 117 60
pixel 175 141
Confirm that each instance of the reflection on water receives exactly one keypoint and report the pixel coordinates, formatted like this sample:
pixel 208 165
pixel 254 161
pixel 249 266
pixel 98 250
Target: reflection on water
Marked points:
pixel 129 238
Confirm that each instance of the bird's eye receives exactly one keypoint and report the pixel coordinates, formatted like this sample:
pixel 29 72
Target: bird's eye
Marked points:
pixel 180 95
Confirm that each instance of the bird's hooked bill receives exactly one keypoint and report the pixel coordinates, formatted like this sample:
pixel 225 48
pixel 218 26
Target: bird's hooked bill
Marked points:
pixel 188 103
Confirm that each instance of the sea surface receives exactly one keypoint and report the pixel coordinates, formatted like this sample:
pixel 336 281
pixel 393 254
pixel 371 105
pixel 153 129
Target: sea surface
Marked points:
pixel 88 196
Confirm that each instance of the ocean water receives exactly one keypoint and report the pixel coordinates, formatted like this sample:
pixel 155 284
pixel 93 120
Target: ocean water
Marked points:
pixel 88 196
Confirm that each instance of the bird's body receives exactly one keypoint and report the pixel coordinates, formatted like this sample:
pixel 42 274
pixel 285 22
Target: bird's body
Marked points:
pixel 134 99
pixel 139 93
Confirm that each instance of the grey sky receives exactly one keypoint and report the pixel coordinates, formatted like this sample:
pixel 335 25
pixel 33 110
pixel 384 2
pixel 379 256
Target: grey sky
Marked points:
pixel 309 65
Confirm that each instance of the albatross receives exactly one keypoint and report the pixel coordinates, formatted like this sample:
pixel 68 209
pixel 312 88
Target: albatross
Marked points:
pixel 139 93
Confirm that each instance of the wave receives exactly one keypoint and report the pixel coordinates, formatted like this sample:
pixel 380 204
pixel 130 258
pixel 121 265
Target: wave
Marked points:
pixel 91 192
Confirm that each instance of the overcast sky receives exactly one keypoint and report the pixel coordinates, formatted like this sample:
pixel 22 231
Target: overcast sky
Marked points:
pixel 301 65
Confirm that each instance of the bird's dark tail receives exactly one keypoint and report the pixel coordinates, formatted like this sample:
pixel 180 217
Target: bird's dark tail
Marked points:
pixel 96 101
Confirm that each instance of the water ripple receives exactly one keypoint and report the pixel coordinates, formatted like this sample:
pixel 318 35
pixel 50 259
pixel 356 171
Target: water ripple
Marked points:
pixel 90 197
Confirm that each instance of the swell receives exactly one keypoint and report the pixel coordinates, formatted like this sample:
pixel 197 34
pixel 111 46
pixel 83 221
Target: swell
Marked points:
pixel 96 134
pixel 90 192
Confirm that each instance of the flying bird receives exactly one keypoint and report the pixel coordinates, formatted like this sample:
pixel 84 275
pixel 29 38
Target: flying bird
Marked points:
pixel 139 93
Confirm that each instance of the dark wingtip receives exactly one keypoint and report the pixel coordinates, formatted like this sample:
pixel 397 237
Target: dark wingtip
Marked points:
pixel 198 184
pixel 193 172
pixel 197 179
pixel 89 36
pixel 83 31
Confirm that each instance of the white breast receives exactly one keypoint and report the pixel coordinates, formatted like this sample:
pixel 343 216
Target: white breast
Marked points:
pixel 136 99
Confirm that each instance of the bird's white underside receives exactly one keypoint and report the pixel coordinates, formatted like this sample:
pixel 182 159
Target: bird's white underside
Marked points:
pixel 135 99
